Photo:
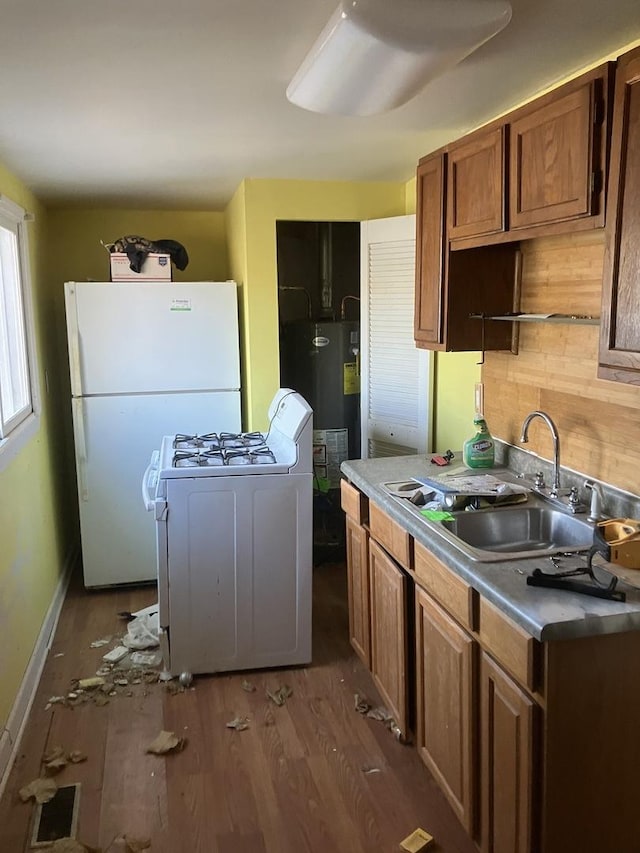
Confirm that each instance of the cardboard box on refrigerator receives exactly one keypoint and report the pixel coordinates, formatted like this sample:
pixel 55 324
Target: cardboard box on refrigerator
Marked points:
pixel 156 267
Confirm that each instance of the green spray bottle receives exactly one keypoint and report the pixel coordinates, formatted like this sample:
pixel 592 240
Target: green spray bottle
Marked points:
pixel 479 451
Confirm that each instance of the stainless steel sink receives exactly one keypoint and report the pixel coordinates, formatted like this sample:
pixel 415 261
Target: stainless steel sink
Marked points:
pixel 509 533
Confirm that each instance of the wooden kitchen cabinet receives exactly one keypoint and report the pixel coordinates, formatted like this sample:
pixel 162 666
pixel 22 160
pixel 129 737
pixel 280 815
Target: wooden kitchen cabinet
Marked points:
pixel 533 742
pixel 456 721
pixel 476 177
pixel 445 714
pixel 619 357
pixel 541 170
pixel 451 286
pixel 431 250
pixel 357 552
pixel 557 155
pixel 378 598
pixel 389 634
pixel 356 509
pixel 507 732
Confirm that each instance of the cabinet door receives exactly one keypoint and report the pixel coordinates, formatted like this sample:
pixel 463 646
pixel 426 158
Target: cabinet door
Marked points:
pixel 445 704
pixel 430 250
pixel 507 718
pixel 620 324
pixel 552 169
pixel 358 590
pixel 476 185
pixel 389 633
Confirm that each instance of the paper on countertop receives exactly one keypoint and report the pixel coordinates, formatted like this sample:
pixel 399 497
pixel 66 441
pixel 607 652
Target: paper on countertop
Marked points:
pixel 472 484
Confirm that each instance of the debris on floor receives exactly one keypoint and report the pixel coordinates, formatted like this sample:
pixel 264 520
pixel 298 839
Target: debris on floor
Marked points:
pixel 135 845
pixel 115 655
pixel 146 658
pixel 166 742
pixel 134 660
pixel 42 790
pixel 142 632
pixel 76 756
pixel 247 686
pixel 280 696
pixel 174 687
pixel 369 770
pixel 54 760
pixel 90 683
pixel 361 704
pixel 417 841
pixel 239 724
pixel 379 713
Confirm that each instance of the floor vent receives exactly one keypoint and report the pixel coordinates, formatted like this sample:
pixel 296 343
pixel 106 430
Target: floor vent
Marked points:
pixel 58 818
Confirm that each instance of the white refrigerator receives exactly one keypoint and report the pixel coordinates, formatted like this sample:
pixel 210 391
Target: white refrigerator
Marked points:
pixel 146 359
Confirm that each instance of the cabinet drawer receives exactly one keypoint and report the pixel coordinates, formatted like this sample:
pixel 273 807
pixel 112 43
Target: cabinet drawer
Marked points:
pixel 353 502
pixel 454 594
pixel 516 650
pixel 390 535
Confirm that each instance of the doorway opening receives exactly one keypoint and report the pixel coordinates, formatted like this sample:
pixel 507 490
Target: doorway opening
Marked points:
pixel 319 326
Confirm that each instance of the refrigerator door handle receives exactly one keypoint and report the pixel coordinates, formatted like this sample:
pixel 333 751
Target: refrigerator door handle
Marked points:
pixel 75 364
pixel 77 408
pixel 150 481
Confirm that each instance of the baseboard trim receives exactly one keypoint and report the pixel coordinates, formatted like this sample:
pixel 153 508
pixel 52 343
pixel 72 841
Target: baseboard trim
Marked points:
pixel 12 733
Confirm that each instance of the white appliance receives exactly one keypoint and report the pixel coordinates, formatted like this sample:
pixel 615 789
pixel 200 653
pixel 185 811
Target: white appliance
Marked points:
pixel 146 359
pixel 234 544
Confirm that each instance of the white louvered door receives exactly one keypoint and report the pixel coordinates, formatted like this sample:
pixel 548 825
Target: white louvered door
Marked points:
pixel 396 376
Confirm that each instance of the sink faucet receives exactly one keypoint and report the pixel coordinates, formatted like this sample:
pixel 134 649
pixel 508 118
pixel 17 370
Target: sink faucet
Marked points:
pixel 524 438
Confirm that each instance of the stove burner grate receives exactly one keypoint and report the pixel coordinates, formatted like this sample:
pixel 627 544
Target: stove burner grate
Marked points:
pixel 250 456
pixel 200 457
pixel 241 439
pixel 183 441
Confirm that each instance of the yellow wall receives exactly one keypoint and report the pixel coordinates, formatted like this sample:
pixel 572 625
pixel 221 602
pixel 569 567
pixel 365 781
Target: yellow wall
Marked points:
pixel 75 252
pixel 252 217
pixel 35 539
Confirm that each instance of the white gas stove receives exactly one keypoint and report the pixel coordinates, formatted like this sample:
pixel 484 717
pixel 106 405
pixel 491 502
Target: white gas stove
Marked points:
pixel 285 449
pixel 234 542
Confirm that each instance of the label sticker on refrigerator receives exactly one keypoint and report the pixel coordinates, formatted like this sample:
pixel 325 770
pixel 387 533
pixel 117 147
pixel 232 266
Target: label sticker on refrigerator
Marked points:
pixel 181 305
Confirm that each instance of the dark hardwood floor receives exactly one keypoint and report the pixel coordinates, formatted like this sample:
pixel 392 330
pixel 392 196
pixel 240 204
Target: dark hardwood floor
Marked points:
pixel 310 775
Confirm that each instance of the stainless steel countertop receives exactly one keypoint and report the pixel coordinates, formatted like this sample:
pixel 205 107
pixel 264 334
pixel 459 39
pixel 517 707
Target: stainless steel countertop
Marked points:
pixel 546 614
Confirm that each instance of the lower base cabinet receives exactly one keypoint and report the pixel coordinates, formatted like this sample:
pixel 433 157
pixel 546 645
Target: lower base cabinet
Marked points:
pixel 357 540
pixel 534 743
pixel 468 707
pixel 389 661
pixel 445 667
pixel 507 747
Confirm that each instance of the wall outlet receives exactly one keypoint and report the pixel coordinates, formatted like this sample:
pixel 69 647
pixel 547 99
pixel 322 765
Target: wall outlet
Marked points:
pixel 480 397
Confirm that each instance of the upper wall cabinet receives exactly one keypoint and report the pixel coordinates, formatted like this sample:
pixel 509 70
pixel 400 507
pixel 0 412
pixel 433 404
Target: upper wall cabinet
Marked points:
pixel 556 166
pixel 541 170
pixel 430 249
pixel 450 286
pixel 476 180
pixel 620 324
pixel 538 171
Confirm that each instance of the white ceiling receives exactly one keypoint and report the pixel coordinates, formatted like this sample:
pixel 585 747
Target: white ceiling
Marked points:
pixel 155 103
